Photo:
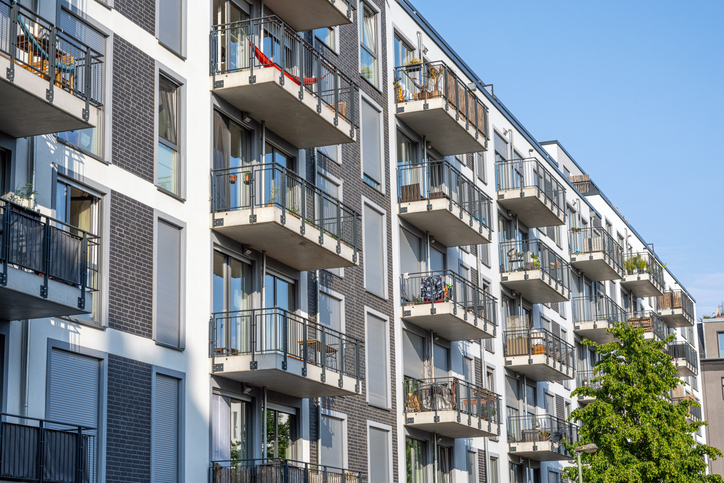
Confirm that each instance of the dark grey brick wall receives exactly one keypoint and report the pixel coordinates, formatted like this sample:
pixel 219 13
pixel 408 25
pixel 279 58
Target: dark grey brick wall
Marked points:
pixel 560 407
pixel 133 110
pixel 131 266
pixel 481 466
pixel 128 454
pixel 140 12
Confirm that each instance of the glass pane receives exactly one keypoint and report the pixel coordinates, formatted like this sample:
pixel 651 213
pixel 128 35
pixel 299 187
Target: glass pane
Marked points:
pixel 369 29
pixel 368 66
pixel 239 430
pixel 167 168
pixel 441 356
pixel 167 112
pixel 721 344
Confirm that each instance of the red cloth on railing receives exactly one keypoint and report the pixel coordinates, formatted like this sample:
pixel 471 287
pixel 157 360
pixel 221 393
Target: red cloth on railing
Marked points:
pixel 267 62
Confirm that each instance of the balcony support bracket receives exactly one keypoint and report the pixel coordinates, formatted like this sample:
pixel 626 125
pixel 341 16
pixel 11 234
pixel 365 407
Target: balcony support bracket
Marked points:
pixel 253 365
pixel 220 221
pixel 218 84
pixel 217 367
pixel 81 302
pixel 44 291
pixel 252 79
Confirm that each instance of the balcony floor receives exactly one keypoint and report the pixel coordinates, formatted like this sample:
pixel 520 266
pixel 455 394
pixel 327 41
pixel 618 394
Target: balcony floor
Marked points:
pixel 283 241
pixel 24 111
pixel 445 225
pixel 538 369
pixel 675 318
pixel 531 206
pixel 20 298
pixel 448 425
pixel 538 451
pixel 304 15
pixel 267 100
pixel 595 266
pixel 448 135
pixel 269 373
pixel 535 287
pixel 597 331
pixel 684 369
pixel 446 323
pixel 642 285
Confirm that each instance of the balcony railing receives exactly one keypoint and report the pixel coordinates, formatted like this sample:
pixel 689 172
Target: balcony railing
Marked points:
pixel 593 240
pixel 263 185
pixel 534 341
pixel 597 309
pixel 586 378
pixel 694 411
pixel 55 250
pixel 683 350
pixel 38 450
pixel 435 80
pixel 268 42
pixel 451 394
pixel 541 428
pixel 280 470
pixel 275 331
pixel 432 179
pixel 677 299
pixel 650 322
pixel 30 42
pixel 519 174
pixel 644 263
pixel 529 255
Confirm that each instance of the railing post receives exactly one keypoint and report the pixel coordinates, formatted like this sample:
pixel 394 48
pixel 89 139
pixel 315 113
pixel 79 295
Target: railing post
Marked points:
pixel 340 366
pixel 282 36
pixel 46 260
pixel 355 224
pixel 88 84
pixel 357 349
pixel 79 457
pixel 10 72
pixel 252 338
pixel 467 109
pixel 41 450
pixel 339 227
pixel 305 345
pixel 323 353
pixel 285 338
pixel 319 84
pixel 319 215
pixel 352 98
pixel 5 241
pixel 302 72
pixel 336 96
pixel 83 270
pixel 457 99
pixel 51 64
pixel 477 125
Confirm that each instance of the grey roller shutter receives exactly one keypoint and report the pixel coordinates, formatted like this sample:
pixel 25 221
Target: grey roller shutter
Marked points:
pixel 377 371
pixel 410 257
pixel 166 430
pixel 332 442
pixel 371 162
pixel 372 252
pixel 168 281
pixel 169 23
pixel 379 445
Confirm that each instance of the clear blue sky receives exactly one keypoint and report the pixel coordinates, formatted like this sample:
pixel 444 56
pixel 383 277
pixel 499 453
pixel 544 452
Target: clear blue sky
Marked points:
pixel 635 93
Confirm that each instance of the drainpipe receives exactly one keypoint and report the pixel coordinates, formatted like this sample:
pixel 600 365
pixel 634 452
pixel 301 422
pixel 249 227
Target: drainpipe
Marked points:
pixel 263 142
pixel 316 304
pixel 434 458
pixel 263 417
pixel 25 368
pixel 263 278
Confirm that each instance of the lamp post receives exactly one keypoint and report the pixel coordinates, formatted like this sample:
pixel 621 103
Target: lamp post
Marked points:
pixel 586 448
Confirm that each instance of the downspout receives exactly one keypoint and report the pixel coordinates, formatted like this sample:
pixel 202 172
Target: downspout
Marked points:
pixel 263 417
pixel 25 337
pixel 483 378
pixel 316 307
pixel 263 302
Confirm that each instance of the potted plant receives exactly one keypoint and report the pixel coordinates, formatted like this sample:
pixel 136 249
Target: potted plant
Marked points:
pixel 24 197
pixel 273 195
pixel 536 260
pixel 544 435
pixel 399 95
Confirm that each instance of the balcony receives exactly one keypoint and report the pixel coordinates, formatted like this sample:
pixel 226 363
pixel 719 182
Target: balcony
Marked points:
pixel 449 305
pixel 303 15
pixel 644 275
pixel 36 450
pixel 38 96
pixel 530 191
pixel 694 411
pixel 654 328
pixel 285 353
pixel 593 316
pixel 537 353
pixel 433 101
pixel 451 407
pixel 437 198
pixel 47 268
pixel 684 357
pixel 677 309
pixel 596 253
pixel 587 379
pixel 540 437
pixel 532 269
pixel 270 208
pixel 265 69
pixel 280 470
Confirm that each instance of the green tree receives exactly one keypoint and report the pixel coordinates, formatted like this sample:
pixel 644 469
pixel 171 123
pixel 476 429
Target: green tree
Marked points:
pixel 641 436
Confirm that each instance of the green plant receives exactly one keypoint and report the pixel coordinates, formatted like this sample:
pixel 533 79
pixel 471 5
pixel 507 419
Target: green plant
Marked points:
pixel 23 196
pixel 274 194
pixel 636 263
pixel 413 61
pixel 536 260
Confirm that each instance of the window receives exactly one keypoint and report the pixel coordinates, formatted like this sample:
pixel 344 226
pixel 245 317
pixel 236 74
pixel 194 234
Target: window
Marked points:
pixel 330 152
pixel 379 455
pixel 371 145
pixel 490 379
pixel 403 52
pixel 88 140
pixel 368 43
pixel 232 292
pixel 168 173
pixel 722 387
pixel 377 364
pixel 468 369
pixel 471 466
pixel 554 477
pixel 330 311
pixel 480 167
pixel 406 150
pixel 281 434
pixel 332 188
pixel 170 23
pixel 230 428
pixel 167 428
pixel 415 454
pixel 332 441
pixel 414 355
pixel 168 284
pixel 231 148
pixel 328 36
pixel 441 356
pixel 4 172
pixel 373 252
pixel 494 470
pixel 550 404
pixel 444 464
pixel 720 336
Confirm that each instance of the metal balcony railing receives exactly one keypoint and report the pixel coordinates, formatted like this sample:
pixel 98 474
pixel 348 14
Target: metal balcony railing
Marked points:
pixel 432 179
pixel 597 308
pixel 435 80
pixel 677 299
pixel 269 43
pixel 280 470
pixel 534 341
pixel 683 350
pixel 30 42
pixel 694 411
pixel 275 331
pixel 649 321
pixel 540 428
pixel 586 378
pixel 451 394
pixel 519 174
pixel 39 450
pixel 528 255
pixel 593 240
pixel 262 185
pixel 53 249
pixel 644 262
pixel 430 288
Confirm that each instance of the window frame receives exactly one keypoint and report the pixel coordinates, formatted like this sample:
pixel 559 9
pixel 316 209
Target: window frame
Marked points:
pixel 388 429
pixel 720 343
pixel 381 187
pixel 181 113
pixel 335 38
pixel 160 216
pixel 399 36
pixel 345 435
pixel 183 30
pixel 385 282
pixel 379 315
pixel 376 55
pixel 181 377
pixel 327 292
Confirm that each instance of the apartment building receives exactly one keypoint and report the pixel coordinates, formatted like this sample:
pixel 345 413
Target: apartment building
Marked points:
pixel 711 353
pixel 289 240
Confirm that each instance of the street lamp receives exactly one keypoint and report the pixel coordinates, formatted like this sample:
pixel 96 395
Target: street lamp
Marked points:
pixel 586 448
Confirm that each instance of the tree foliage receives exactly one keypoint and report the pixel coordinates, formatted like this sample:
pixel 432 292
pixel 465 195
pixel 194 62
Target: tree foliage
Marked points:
pixel 642 436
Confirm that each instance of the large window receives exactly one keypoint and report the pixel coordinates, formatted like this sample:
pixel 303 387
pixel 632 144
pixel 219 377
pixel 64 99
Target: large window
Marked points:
pixel 168 284
pixel 167 428
pixel 403 52
pixel 415 455
pixel 494 470
pixel 328 36
pixel 168 171
pixel 333 441
pixel 444 464
pixel 720 336
pixel 368 43
pixel 230 428
pixel 232 292
pixel 379 455
pixel 377 365
pixel 330 311
pixel 372 145
pixel 170 24
pixel 374 251
pixel 471 466
pixel 281 434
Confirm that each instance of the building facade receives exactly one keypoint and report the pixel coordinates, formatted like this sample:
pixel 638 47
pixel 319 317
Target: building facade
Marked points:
pixel 711 353
pixel 333 254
